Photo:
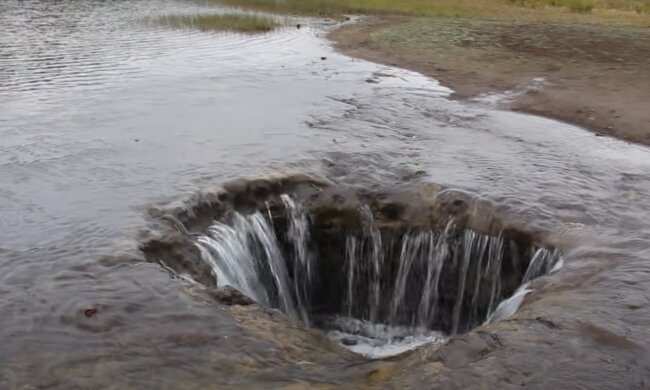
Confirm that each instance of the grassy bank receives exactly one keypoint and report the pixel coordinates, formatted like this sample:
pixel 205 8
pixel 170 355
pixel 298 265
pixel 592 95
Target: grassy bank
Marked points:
pixel 221 22
pixel 591 55
pixel 595 76
pixel 631 12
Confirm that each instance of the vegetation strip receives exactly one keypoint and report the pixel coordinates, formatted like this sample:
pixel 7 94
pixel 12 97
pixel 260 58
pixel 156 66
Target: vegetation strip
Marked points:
pixel 631 12
pixel 221 22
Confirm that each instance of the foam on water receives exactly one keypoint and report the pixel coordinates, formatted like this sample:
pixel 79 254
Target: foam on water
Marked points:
pixel 374 340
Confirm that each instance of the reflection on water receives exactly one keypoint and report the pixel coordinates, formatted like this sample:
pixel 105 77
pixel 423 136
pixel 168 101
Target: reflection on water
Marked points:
pixel 103 114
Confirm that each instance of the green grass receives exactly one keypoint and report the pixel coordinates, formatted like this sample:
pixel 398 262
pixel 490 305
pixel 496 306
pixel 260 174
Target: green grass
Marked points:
pixel 641 7
pixel 221 22
pixel 367 7
pixel 572 5
pixel 579 5
pixel 633 12
pixel 585 6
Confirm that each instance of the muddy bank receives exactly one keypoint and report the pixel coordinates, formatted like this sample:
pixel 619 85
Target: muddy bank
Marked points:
pixel 592 76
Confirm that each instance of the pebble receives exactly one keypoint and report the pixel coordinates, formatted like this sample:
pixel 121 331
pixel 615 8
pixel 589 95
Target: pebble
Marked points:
pixel 90 311
pixel 348 341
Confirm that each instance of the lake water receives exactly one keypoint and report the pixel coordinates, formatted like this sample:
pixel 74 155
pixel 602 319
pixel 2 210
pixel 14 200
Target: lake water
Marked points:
pixel 104 114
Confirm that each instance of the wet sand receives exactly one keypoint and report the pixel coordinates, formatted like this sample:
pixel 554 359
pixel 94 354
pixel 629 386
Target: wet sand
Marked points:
pixel 597 77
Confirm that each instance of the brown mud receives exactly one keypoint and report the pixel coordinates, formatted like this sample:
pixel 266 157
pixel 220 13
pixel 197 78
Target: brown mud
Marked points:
pixel 597 77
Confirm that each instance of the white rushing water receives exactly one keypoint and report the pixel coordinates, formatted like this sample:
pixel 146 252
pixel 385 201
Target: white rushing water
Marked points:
pixel 397 294
pixel 376 340
pixel 247 256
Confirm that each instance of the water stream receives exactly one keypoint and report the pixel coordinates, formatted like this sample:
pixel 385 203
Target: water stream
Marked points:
pixel 104 116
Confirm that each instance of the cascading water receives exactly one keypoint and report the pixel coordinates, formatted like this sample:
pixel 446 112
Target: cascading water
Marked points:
pixel 247 257
pixel 298 236
pixel 389 290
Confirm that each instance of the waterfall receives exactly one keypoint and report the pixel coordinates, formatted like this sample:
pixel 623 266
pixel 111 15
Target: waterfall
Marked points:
pixel 451 280
pixel 472 266
pixel 303 264
pixel 246 255
pixel 373 234
pixel 364 259
pixel 227 249
pixel 542 262
pixel 351 245
pixel 437 255
pixel 414 247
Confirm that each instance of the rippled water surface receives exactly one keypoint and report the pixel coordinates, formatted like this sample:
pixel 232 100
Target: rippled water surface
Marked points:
pixel 103 114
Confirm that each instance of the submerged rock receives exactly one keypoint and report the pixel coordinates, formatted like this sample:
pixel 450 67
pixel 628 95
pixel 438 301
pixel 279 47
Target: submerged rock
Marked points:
pixel 230 296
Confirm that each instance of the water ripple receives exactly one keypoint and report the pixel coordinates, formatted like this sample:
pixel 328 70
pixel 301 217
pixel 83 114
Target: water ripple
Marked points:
pixel 104 113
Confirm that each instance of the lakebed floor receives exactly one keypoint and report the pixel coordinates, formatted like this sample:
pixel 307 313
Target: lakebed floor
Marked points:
pixel 144 118
pixel 594 76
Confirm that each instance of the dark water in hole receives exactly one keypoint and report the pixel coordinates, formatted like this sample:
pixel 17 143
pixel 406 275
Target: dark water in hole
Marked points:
pixel 103 115
pixel 379 293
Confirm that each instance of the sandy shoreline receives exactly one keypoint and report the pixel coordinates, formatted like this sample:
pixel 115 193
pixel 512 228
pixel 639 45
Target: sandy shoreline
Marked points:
pixel 592 76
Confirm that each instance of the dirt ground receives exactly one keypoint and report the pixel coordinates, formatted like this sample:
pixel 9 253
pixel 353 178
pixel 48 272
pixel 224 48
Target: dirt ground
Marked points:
pixel 597 77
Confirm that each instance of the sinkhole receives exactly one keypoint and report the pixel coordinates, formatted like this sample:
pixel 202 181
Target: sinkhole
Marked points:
pixel 379 274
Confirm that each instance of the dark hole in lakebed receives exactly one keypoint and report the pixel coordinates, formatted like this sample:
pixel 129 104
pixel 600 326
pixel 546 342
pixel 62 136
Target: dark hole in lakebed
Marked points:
pixel 376 288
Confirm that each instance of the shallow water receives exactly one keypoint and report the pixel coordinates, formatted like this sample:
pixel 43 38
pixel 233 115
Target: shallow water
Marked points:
pixel 104 114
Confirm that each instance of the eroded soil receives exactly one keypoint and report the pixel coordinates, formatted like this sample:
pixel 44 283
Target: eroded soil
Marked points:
pixel 597 77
